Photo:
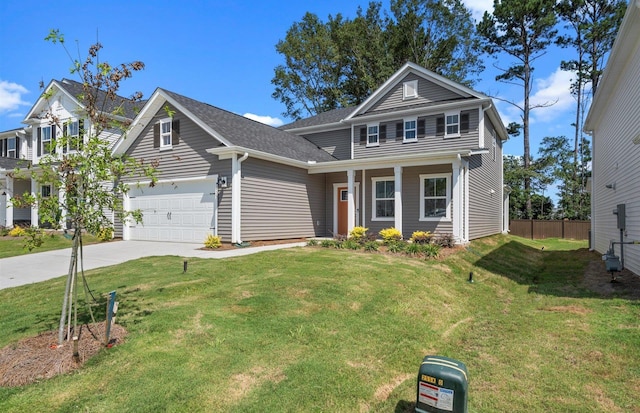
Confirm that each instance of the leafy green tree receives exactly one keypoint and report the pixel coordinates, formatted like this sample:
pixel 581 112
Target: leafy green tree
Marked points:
pixel 522 30
pixel 83 166
pixel 340 62
pixel 515 175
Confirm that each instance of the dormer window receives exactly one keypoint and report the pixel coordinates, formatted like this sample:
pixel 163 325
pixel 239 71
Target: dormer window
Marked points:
pixel 410 89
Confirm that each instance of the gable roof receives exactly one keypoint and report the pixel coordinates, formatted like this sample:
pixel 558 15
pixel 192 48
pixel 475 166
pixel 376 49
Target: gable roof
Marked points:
pixel 334 116
pixel 228 128
pixel 74 90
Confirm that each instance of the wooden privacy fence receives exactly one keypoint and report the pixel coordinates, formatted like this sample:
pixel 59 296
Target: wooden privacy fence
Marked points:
pixel 540 229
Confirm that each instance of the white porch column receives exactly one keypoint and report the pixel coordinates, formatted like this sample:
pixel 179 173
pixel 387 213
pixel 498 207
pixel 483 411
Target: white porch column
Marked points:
pixel 7 205
pixel 457 198
pixel 236 198
pixel 397 196
pixel 34 209
pixel 62 196
pixel 351 201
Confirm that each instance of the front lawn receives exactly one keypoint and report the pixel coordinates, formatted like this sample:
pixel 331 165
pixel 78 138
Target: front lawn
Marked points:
pixel 327 330
pixel 13 246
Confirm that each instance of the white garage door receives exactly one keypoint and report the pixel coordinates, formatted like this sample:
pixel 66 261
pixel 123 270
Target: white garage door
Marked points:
pixel 178 212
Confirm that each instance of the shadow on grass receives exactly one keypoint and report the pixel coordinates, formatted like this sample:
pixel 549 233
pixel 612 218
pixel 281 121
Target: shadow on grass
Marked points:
pixel 572 273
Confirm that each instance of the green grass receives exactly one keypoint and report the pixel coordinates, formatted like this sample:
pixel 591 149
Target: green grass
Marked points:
pixel 13 246
pixel 326 330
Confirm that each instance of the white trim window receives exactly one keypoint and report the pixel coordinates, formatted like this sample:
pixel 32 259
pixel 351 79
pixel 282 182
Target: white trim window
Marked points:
pixel 435 197
pixel 45 140
pixel 373 135
pixel 410 130
pixel 72 130
pixel 45 191
pixel 11 148
pixel 165 134
pixel 410 89
pixel 452 124
pixel 383 198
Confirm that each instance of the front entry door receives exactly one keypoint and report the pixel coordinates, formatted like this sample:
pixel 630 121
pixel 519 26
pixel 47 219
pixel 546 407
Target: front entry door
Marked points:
pixel 342 195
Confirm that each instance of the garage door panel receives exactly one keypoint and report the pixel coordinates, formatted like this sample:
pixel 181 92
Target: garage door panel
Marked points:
pixel 180 212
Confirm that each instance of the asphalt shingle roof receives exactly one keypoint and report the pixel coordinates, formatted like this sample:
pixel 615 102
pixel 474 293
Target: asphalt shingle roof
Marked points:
pixel 247 133
pixel 131 108
pixel 330 116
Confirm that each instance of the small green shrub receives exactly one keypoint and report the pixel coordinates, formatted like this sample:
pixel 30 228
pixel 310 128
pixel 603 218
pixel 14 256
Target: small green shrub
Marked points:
pixel 312 242
pixel 413 249
pixel 397 246
pixel 431 250
pixel 421 237
pixel 16 232
pixel 390 234
pixel 358 234
pixel 105 234
pixel 338 244
pixel 327 243
pixel 351 244
pixel 445 240
pixel 34 237
pixel 213 241
pixel 371 246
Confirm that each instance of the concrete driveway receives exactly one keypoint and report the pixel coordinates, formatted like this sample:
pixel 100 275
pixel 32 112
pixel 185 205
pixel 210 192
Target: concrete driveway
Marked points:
pixel 31 268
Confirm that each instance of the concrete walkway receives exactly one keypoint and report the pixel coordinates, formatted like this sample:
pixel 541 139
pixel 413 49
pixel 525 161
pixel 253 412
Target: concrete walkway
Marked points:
pixel 32 268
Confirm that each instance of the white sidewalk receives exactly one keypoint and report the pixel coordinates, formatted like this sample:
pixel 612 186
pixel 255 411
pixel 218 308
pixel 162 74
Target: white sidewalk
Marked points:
pixel 31 268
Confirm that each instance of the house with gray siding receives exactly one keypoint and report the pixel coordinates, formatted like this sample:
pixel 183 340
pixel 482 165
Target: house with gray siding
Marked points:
pixel 421 153
pixel 614 123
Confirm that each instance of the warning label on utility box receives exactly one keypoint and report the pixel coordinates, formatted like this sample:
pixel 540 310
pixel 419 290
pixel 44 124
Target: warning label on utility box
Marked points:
pixel 436 396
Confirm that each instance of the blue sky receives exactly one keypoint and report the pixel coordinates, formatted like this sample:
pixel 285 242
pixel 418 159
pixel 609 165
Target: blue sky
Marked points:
pixel 219 52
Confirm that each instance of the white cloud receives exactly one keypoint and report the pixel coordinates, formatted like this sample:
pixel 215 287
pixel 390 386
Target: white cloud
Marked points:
pixel 267 120
pixel 11 96
pixel 555 88
pixel 478 7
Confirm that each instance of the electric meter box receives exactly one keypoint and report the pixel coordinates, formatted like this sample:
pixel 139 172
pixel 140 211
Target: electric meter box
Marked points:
pixel 442 386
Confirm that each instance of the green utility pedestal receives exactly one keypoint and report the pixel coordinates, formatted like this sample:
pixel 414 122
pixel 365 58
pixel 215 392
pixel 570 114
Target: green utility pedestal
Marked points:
pixel 442 386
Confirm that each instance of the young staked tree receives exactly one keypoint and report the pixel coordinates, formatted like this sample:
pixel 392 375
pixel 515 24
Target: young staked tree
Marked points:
pixel 521 29
pixel 82 165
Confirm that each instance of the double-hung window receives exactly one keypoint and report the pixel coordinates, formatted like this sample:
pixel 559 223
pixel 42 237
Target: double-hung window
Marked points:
pixel 165 133
pixel 45 191
pixel 435 196
pixel 11 148
pixel 410 130
pixel 383 199
pixel 372 135
pixel 452 124
pixel 45 140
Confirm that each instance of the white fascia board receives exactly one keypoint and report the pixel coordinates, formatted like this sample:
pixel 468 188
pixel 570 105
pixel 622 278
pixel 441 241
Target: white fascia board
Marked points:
pixel 418 159
pixel 428 110
pixel 37 107
pixel 496 121
pixel 228 152
pixel 139 123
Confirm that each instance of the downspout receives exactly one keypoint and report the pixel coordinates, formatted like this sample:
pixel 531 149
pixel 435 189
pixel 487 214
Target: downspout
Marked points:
pixel 236 198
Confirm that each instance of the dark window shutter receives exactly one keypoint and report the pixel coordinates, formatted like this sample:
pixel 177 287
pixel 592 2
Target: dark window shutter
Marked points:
pixel 363 135
pixel 440 126
pixel 464 123
pixel 383 133
pixel 52 143
pixel 399 130
pixel 17 147
pixel 421 128
pixel 156 135
pixel 175 132
pixel 39 142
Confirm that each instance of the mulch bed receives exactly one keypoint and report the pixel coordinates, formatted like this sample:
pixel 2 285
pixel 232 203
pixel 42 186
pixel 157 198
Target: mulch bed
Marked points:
pixel 39 358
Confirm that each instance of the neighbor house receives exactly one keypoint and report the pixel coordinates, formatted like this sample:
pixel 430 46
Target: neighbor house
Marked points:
pixel 58 111
pixel 421 153
pixel 614 122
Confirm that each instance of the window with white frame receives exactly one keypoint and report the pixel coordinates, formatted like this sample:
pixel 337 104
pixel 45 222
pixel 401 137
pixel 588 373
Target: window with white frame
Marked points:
pixel 45 191
pixel 383 198
pixel 165 133
pixel 435 196
pixel 410 89
pixel 410 130
pixel 452 124
pixel 45 140
pixel 372 135
pixel 11 148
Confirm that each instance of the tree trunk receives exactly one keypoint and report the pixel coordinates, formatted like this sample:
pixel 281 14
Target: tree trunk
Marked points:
pixel 73 263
